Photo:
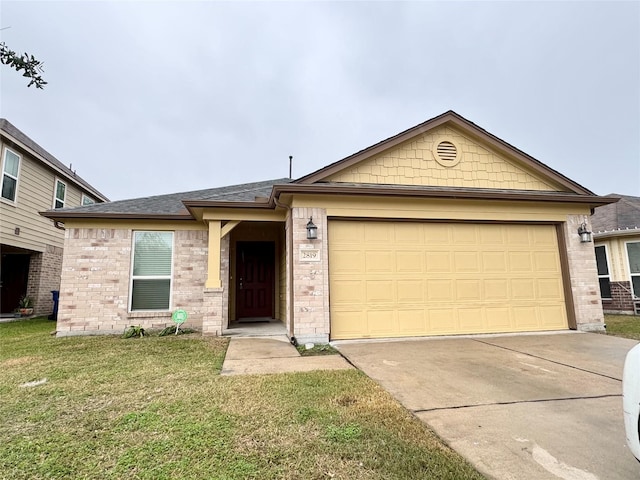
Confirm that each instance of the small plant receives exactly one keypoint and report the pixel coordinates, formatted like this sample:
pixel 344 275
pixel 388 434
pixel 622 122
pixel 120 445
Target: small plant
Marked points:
pixel 171 330
pixel 25 302
pixel 134 331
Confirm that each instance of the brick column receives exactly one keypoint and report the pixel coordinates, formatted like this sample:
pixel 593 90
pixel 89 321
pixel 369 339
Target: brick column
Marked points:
pixel 216 300
pixel 583 277
pixel 310 275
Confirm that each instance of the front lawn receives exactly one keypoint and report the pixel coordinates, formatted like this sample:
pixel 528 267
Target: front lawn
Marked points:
pixel 156 408
pixel 627 326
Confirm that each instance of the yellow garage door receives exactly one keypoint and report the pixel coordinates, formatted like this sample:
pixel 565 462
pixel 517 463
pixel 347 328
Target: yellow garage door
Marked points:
pixel 410 279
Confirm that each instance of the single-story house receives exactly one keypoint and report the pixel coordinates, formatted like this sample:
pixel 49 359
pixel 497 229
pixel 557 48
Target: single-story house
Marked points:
pixel 616 233
pixel 441 229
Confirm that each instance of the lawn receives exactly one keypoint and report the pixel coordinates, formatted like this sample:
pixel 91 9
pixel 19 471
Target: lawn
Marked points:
pixel 156 408
pixel 627 326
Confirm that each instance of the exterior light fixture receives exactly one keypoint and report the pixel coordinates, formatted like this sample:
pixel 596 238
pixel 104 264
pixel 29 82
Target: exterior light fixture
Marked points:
pixel 312 230
pixel 585 234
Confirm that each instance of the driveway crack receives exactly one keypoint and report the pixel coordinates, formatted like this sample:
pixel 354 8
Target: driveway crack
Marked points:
pixel 548 360
pixel 516 402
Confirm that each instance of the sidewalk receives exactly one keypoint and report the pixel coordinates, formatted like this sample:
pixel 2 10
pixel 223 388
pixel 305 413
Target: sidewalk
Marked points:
pixel 250 355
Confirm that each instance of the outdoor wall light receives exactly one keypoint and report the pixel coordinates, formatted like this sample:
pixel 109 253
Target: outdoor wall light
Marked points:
pixel 585 234
pixel 312 230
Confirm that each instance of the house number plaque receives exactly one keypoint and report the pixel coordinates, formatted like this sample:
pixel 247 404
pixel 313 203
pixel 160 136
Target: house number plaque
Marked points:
pixel 309 254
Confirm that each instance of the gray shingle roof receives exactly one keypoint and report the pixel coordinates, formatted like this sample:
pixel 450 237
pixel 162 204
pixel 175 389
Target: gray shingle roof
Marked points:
pixel 622 215
pixel 171 204
pixel 11 130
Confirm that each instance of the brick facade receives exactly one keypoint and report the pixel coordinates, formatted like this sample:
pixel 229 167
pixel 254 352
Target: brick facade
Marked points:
pixel 621 300
pixel 310 279
pixel 44 276
pixel 96 275
pixel 583 277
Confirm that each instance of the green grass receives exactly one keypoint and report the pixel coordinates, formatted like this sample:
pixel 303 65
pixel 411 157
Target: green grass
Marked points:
pixel 318 349
pixel 627 326
pixel 157 408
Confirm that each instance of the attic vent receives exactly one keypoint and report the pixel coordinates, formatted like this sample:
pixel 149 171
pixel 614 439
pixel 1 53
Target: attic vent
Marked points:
pixel 447 153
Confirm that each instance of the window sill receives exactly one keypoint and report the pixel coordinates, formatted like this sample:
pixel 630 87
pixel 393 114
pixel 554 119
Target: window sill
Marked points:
pixel 150 314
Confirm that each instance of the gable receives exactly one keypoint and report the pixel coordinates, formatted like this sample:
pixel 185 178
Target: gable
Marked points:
pixel 445 157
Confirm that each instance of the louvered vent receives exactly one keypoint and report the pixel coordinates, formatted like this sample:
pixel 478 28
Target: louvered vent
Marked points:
pixel 447 152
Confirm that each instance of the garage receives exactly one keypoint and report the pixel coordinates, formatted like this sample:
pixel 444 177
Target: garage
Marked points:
pixel 400 279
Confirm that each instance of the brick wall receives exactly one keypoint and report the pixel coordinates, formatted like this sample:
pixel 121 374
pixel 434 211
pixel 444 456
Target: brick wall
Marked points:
pixel 310 288
pixel 621 299
pixel 94 289
pixel 216 300
pixel 583 277
pixel 44 276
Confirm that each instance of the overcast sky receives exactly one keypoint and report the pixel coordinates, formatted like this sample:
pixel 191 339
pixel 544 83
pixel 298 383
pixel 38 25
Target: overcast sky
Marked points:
pixel 146 98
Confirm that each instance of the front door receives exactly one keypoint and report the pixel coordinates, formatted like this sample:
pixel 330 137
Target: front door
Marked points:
pixel 254 279
pixel 14 275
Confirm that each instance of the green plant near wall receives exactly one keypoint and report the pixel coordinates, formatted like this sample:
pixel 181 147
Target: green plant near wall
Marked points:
pixel 134 331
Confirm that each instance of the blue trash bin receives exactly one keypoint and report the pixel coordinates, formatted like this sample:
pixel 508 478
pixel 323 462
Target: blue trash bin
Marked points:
pixel 56 297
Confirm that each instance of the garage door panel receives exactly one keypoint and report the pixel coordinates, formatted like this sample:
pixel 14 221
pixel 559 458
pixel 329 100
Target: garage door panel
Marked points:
pixel 378 261
pixel 438 262
pixel 412 322
pixel 440 290
pixel 468 290
pixel 410 291
pixel 408 261
pixel 379 291
pixel 406 279
pixel 347 292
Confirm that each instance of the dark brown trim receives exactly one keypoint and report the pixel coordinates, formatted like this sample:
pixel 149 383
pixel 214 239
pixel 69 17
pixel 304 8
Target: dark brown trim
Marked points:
pixel 566 279
pixel 61 216
pixel 467 127
pixel 402 191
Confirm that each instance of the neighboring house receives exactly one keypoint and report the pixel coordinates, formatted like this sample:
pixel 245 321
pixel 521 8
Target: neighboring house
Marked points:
pixel 616 233
pixel 30 245
pixel 442 229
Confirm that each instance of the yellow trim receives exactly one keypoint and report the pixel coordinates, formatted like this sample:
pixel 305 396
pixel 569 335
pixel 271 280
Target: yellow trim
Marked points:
pixel 135 224
pixel 228 227
pixel 245 214
pixel 213 270
pixel 440 209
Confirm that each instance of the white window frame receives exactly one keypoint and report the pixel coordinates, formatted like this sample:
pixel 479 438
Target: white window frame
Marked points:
pixel 635 295
pixel 87 200
pixel 151 277
pixel 608 276
pixel 17 178
pixel 55 193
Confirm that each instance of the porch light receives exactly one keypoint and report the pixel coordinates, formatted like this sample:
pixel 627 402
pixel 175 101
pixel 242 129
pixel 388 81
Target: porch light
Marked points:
pixel 312 230
pixel 585 234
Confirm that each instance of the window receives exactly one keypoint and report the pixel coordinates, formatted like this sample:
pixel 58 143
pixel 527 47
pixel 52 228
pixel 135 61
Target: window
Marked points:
pixel 10 170
pixel 87 200
pixel 633 254
pixel 603 271
pixel 151 270
pixel 60 194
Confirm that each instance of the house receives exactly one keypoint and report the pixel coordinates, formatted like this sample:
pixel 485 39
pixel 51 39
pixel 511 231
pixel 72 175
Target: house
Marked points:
pixel 30 245
pixel 441 229
pixel 616 233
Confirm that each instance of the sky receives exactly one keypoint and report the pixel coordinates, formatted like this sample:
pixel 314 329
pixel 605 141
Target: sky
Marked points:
pixel 147 98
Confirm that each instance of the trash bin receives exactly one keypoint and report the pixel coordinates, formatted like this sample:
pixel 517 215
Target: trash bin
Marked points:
pixel 56 297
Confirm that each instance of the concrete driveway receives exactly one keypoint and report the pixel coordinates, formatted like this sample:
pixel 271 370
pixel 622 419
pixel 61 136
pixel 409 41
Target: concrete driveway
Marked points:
pixel 518 406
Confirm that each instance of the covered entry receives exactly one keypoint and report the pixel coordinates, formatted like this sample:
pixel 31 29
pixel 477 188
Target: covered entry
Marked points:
pixel 397 279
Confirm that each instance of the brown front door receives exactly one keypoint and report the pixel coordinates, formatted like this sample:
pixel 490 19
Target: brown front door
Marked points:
pixel 254 279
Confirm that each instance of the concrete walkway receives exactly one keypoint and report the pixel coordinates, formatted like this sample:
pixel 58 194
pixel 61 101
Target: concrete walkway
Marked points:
pixel 254 355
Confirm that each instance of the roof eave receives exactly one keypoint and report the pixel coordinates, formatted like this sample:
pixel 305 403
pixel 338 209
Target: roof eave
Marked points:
pixel 389 191
pixel 62 216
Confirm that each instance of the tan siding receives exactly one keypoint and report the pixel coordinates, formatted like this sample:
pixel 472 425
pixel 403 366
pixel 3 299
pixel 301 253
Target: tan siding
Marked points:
pixel 414 163
pixel 35 194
